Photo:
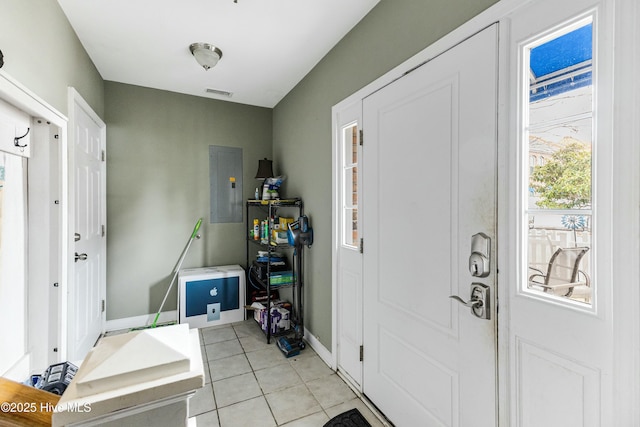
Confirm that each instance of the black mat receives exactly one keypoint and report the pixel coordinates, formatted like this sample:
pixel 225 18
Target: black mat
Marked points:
pixel 351 418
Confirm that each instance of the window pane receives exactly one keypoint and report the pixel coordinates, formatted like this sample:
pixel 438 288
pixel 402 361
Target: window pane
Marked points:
pixel 350 145
pixel 350 227
pixel 561 176
pixel 350 186
pixel 559 138
pixel 354 186
pixel 550 233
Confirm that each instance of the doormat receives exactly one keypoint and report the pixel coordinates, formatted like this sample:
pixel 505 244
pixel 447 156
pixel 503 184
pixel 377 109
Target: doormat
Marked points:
pixel 351 418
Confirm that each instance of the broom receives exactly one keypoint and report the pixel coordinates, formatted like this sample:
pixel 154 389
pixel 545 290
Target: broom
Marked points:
pixel 194 235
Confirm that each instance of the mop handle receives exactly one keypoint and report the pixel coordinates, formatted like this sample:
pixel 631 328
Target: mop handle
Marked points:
pixel 175 275
pixel 184 253
pixel 196 228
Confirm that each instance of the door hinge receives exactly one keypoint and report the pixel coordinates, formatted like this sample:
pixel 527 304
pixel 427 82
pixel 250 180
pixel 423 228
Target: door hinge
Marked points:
pixel 103 156
pixel 104 230
pixel 103 306
pixel 361 137
pixel 361 353
pixel 361 245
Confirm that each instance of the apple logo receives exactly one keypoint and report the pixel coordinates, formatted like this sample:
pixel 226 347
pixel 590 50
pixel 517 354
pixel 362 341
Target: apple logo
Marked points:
pixel 213 292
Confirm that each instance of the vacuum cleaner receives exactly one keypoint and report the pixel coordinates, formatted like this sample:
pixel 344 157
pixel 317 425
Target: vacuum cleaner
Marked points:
pixel 300 234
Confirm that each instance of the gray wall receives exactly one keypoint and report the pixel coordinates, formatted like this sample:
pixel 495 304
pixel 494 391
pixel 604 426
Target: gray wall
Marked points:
pixel 158 141
pixel 42 52
pixel 391 33
pixel 158 186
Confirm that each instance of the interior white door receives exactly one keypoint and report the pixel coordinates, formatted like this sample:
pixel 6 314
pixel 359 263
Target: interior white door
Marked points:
pixel 429 185
pixel 348 262
pixel 87 292
pixel 561 346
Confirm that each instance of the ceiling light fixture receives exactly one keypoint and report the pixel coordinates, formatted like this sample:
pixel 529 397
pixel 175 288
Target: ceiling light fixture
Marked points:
pixel 206 54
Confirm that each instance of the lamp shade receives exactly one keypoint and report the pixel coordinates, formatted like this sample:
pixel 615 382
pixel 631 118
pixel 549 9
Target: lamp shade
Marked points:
pixel 207 55
pixel 265 169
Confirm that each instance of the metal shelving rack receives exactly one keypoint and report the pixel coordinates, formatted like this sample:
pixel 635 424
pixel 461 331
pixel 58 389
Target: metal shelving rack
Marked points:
pixel 270 209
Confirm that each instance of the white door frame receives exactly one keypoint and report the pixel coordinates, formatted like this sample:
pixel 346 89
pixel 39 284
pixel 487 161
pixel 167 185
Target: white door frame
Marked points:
pixel 626 160
pixel 22 98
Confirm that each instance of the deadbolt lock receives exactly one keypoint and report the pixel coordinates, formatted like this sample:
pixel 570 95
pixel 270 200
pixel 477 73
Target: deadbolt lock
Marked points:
pixel 479 260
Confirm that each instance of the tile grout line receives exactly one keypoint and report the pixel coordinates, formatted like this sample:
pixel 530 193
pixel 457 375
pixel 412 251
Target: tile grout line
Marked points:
pixel 290 362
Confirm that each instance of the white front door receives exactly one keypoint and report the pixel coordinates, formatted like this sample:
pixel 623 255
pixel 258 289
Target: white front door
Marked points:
pixel 348 261
pixel 560 330
pixel 87 291
pixel 429 176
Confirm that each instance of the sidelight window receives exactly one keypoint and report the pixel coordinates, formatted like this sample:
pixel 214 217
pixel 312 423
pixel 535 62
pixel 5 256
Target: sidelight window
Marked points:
pixel 349 145
pixel 558 140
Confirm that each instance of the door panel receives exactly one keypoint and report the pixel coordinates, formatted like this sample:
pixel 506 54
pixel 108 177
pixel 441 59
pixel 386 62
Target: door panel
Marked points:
pixel 430 184
pixel 349 259
pixel 85 303
pixel 564 385
pixel 561 344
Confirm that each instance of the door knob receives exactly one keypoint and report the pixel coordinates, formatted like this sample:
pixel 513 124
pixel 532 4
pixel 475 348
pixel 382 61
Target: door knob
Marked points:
pixel 80 257
pixel 470 304
pixel 479 302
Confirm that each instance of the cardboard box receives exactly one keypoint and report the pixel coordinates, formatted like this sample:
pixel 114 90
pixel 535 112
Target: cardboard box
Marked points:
pixel 280 316
pixel 211 296
pixel 281 278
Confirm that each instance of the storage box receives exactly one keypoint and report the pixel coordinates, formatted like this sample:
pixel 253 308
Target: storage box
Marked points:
pixel 281 278
pixel 280 316
pixel 211 296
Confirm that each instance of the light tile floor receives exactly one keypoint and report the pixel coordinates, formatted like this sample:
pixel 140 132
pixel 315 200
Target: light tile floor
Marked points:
pixel 250 383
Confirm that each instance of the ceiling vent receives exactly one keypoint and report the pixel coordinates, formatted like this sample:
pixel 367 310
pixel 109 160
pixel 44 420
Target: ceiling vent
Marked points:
pixel 219 92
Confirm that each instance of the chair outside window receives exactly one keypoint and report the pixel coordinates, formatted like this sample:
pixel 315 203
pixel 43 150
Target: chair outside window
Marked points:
pixel 564 277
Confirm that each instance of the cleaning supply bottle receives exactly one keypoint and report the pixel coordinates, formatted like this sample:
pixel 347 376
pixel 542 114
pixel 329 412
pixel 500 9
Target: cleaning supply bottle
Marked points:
pixel 265 231
pixel 256 229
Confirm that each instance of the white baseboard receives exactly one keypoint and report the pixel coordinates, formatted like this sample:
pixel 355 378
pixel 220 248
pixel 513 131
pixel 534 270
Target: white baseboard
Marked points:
pixel 138 321
pixel 317 346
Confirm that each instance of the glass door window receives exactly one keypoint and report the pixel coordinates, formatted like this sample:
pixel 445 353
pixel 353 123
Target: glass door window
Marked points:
pixel 350 237
pixel 558 135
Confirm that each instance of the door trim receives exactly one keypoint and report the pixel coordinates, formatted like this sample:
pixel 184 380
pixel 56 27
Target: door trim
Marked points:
pixel 626 326
pixel 22 98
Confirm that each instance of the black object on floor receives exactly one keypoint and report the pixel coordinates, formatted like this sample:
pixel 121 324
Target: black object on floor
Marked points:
pixel 351 418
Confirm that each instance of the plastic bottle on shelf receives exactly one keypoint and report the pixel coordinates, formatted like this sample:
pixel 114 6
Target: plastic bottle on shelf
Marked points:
pixel 256 229
pixel 265 234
